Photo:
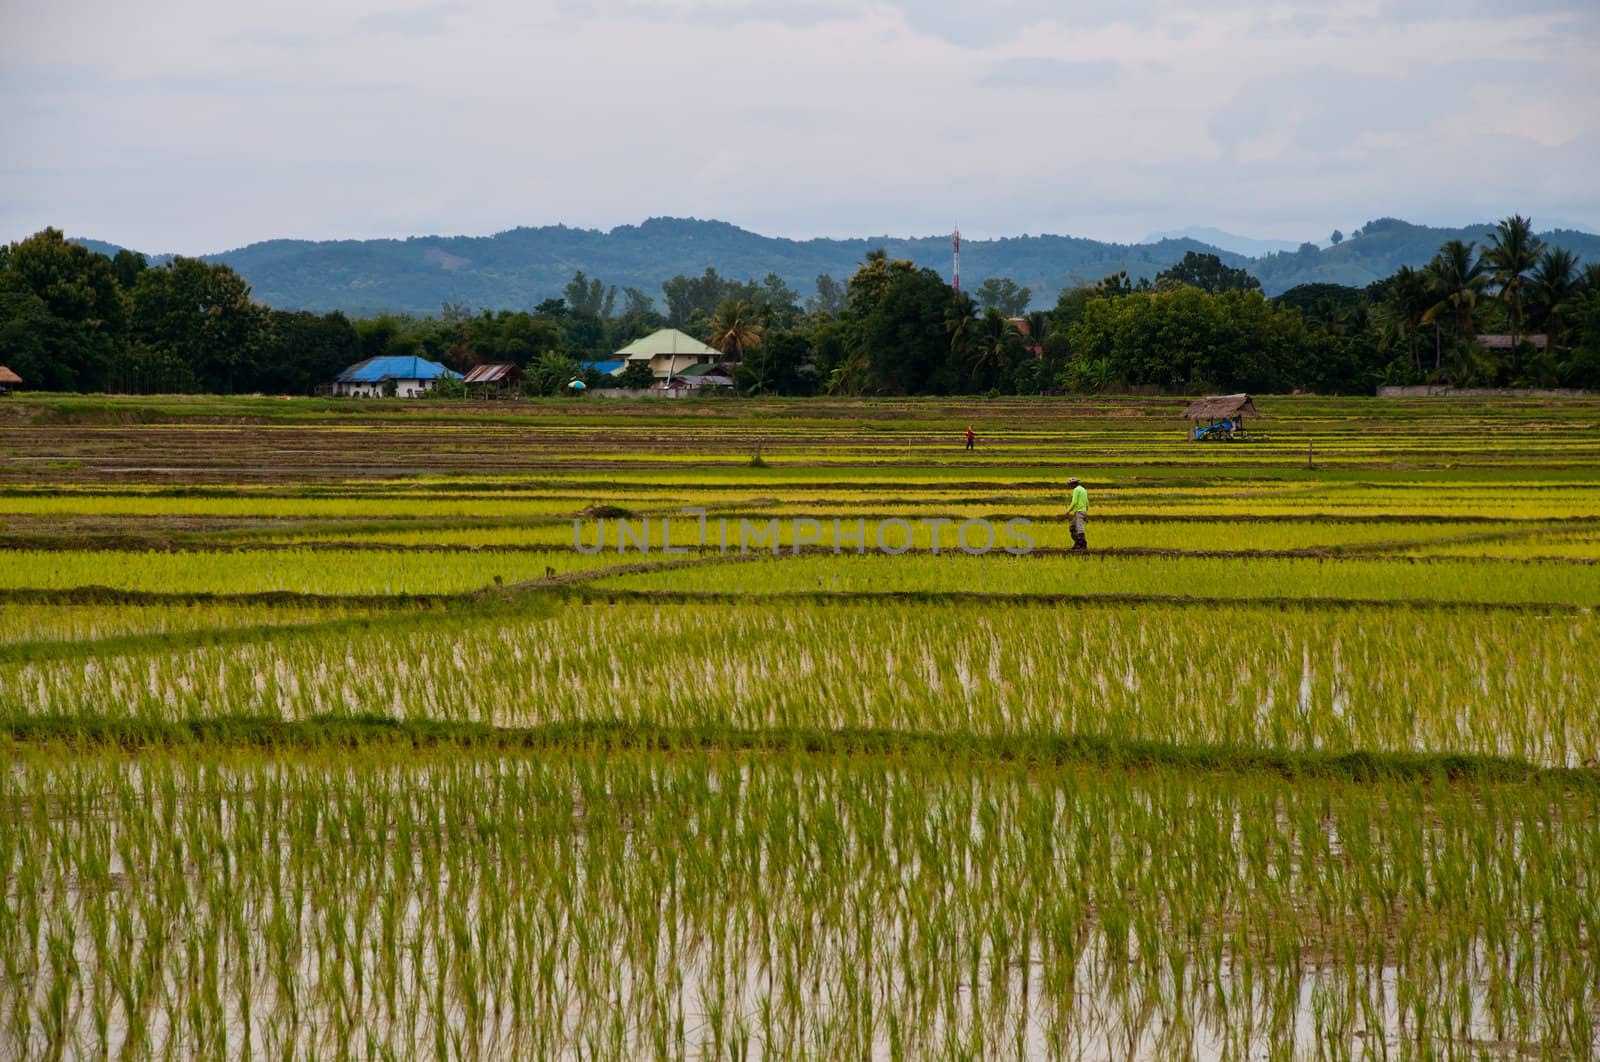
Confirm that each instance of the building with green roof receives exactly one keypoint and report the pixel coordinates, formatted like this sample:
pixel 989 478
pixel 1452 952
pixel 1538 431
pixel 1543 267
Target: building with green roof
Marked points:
pixel 670 353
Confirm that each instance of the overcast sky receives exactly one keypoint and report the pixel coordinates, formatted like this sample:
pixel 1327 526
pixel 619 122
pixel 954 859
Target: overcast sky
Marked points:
pixel 197 126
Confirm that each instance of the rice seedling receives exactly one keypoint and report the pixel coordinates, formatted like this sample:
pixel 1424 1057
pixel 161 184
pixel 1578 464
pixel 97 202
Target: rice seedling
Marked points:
pixel 308 571
pixel 706 905
pixel 1377 679
pixel 1300 765
pixel 1212 577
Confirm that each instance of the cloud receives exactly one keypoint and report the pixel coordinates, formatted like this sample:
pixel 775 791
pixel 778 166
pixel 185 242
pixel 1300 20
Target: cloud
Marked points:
pixel 1050 74
pixel 426 21
pixel 329 118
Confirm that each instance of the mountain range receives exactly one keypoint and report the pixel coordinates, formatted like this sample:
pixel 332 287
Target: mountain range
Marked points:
pixel 1226 241
pixel 520 268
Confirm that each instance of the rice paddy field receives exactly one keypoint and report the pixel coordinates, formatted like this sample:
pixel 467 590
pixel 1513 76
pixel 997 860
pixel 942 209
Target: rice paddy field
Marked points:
pixel 788 729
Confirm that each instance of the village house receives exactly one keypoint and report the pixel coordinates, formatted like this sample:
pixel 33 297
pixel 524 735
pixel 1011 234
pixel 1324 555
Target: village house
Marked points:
pixel 391 377
pixel 670 354
pixel 699 377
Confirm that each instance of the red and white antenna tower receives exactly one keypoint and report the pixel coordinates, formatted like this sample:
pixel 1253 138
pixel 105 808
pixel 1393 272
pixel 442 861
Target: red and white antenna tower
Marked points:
pixel 955 242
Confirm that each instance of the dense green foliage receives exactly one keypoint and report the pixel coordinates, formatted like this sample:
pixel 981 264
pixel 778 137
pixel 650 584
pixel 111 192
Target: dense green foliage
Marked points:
pixel 72 319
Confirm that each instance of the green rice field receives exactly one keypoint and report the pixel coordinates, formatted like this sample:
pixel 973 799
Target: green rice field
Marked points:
pixel 576 729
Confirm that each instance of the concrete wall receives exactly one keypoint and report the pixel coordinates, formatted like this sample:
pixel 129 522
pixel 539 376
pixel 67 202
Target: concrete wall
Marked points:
pixel 1444 391
pixel 658 392
pixel 402 389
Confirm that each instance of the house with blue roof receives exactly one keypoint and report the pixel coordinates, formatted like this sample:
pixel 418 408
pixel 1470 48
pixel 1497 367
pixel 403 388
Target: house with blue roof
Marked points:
pixel 402 376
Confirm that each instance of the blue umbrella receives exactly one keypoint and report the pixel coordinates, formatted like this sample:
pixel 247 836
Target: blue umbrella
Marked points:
pixel 577 385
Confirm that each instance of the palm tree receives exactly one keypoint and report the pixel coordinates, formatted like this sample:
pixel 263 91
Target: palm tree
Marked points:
pixel 1457 278
pixel 1555 291
pixel 961 323
pixel 735 328
pixel 1039 327
pixel 996 335
pixel 1589 279
pixel 1399 315
pixel 1513 249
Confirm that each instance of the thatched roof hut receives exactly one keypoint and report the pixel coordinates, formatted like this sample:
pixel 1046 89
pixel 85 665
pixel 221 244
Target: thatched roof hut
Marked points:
pixel 1216 407
pixel 9 378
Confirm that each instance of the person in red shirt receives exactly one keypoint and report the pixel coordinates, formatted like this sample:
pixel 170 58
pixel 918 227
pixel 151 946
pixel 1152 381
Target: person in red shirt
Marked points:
pixel 970 436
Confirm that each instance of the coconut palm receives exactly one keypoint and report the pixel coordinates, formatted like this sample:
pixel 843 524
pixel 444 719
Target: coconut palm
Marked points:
pixel 1513 250
pixel 1555 291
pixel 1039 324
pixel 961 323
pixel 1399 315
pixel 735 328
pixel 1456 276
pixel 996 336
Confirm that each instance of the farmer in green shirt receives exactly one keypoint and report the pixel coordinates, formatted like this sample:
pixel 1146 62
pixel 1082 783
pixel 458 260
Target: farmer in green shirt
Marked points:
pixel 1078 510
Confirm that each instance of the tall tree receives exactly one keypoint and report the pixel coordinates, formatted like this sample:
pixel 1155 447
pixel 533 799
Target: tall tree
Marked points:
pixel 1555 291
pixel 874 279
pixel 1111 286
pixel 778 302
pixel 77 316
pixel 961 325
pixel 1513 250
pixel 1456 277
pixel 830 296
pixel 1399 315
pixel 127 265
pixel 1208 273
pixel 203 315
pixel 302 350
pixel 1589 278
pixel 994 349
pixel 589 297
pixel 776 367
pixel 902 331
pixel 1582 368
pixel 688 296
pixel 636 303
pixel 1003 295
pixel 736 328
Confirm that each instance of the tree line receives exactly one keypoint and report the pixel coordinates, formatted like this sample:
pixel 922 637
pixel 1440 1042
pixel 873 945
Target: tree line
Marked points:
pixel 75 320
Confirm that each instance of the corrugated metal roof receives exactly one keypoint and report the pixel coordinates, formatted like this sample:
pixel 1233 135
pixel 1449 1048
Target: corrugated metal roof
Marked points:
pixel 666 341
pixel 377 370
pixel 700 369
pixel 606 368
pixel 8 377
pixel 499 372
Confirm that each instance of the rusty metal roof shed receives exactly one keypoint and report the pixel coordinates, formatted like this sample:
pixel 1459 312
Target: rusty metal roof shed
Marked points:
pixel 498 372
pixel 8 378
pixel 1215 407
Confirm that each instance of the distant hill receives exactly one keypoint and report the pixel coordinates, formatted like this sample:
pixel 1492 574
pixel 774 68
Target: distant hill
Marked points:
pixel 1380 247
pixel 1227 241
pixel 520 268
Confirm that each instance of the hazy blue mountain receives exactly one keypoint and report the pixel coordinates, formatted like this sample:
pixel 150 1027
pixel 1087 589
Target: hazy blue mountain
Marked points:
pixel 110 250
pixel 1227 241
pixel 1381 246
pixel 520 268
